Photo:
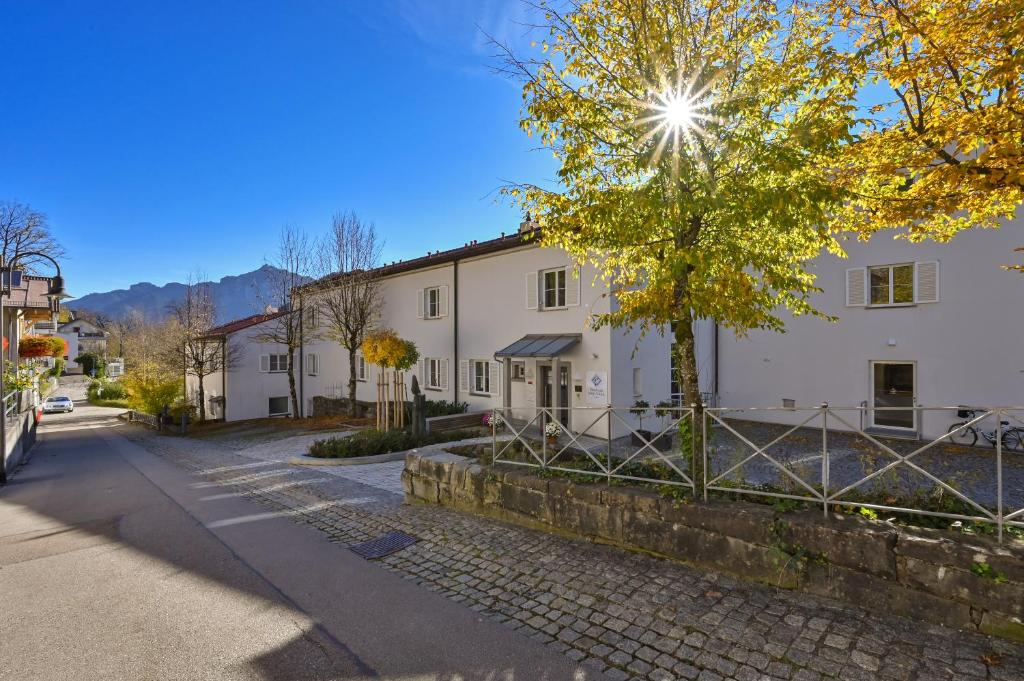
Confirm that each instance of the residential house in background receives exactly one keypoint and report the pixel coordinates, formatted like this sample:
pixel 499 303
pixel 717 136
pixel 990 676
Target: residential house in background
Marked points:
pixel 256 386
pixel 80 335
pixel 26 307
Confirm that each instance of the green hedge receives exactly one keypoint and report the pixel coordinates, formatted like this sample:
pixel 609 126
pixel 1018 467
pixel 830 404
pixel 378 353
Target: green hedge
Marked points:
pixel 445 408
pixel 373 442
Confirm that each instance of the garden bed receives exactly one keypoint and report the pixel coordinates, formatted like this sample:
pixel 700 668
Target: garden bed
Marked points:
pixel 375 442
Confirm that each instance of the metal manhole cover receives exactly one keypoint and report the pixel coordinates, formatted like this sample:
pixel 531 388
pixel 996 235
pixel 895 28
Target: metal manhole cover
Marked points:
pixel 383 545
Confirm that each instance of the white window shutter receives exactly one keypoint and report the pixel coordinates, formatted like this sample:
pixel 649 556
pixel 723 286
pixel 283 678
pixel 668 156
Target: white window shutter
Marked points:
pixel 444 373
pixel 421 371
pixel 264 363
pixel 442 303
pixel 926 281
pixel 531 290
pixel 572 286
pixel 495 377
pixel 420 295
pixel 464 375
pixel 856 287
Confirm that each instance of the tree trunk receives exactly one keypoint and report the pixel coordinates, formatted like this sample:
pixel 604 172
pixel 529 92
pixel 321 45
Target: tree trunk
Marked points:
pixel 352 382
pixel 202 400
pixel 686 367
pixel 291 384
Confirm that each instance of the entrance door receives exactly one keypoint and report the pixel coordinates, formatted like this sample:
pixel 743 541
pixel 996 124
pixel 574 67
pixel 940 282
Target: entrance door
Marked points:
pixel 893 384
pixel 547 382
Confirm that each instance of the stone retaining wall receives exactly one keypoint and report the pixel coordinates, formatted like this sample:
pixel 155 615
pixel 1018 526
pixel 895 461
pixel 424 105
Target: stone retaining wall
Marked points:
pixel 961 581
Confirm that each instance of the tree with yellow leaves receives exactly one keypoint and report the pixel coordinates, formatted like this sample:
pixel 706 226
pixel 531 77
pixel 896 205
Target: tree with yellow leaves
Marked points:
pixel 942 144
pixel 691 137
pixel 387 350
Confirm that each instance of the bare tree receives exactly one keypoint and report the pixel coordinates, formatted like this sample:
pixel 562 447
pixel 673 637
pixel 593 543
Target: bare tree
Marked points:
pixel 201 354
pixel 291 269
pixel 24 230
pixel 348 294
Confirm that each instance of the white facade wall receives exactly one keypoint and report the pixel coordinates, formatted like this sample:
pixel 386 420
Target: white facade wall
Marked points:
pixel 966 348
pixel 494 313
pixel 249 389
pixel 399 311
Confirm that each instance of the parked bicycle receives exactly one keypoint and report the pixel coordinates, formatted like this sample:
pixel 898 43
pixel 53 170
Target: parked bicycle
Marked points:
pixel 1012 436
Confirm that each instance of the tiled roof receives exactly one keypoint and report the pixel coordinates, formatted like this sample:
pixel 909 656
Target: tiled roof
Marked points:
pixel 31 293
pixel 245 323
pixel 473 248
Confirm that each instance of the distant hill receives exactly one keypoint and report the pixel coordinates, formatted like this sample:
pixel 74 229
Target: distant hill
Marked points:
pixel 238 296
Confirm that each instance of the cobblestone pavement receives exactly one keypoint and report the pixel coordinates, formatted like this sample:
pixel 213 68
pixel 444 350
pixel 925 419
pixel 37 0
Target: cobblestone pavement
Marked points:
pixel 633 616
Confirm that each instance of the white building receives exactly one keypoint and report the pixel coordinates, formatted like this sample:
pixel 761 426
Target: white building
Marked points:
pixel 499 323
pixel 505 323
pixel 923 324
pixel 256 383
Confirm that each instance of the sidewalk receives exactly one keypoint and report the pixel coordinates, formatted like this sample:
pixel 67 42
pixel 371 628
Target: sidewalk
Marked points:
pixel 632 616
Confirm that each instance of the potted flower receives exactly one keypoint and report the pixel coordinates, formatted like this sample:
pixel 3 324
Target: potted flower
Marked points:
pixel 551 431
pixel 492 420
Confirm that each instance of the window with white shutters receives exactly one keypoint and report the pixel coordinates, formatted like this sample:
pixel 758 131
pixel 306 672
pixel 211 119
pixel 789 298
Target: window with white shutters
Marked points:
pixel 432 373
pixel 481 377
pixel 361 371
pixel 433 302
pixel 273 363
pixel 312 364
pixel 894 285
pixel 553 293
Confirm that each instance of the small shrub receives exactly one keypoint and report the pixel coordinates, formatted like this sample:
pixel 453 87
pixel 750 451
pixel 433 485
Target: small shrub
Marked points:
pixel 445 408
pixel 373 442
pixel 92 363
pixel 149 392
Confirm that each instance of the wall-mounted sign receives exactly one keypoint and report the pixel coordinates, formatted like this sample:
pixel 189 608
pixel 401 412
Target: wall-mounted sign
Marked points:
pixel 596 387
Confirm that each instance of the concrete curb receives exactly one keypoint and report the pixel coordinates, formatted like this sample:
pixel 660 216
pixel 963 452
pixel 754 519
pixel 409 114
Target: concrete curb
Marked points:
pixel 354 461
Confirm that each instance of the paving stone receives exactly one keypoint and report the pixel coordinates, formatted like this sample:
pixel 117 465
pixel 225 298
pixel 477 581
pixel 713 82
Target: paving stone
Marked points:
pixel 650 619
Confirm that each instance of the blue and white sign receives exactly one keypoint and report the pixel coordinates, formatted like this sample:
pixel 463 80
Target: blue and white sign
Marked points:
pixel 596 388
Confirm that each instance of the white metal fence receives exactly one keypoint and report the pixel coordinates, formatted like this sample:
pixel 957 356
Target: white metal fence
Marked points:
pixel 826 456
pixel 647 456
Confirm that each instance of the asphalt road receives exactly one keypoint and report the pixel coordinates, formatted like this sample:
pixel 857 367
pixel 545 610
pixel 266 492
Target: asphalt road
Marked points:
pixel 115 564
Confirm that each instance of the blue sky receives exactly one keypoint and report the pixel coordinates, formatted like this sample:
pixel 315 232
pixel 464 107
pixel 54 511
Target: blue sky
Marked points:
pixel 163 138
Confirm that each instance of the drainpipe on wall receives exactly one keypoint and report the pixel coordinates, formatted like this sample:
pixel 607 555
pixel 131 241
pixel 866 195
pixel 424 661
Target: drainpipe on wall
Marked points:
pixel 714 395
pixel 302 359
pixel 455 328
pixel 224 377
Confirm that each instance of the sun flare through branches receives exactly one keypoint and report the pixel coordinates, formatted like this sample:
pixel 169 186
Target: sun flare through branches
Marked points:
pixel 678 115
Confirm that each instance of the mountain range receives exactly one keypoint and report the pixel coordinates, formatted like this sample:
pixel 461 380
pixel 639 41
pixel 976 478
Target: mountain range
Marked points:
pixel 235 297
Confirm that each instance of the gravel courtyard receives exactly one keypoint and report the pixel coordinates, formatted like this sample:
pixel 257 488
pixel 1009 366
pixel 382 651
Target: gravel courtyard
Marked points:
pixel 634 616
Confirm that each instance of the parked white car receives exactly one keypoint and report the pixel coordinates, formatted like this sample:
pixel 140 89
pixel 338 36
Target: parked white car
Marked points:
pixel 58 403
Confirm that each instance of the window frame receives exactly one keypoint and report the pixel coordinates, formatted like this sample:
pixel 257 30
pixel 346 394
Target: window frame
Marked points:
pixel 432 370
pixel 312 364
pixel 362 371
pixel 518 370
pixel 287 402
pixel 475 387
pixel 435 292
pixel 275 358
pixel 891 285
pixel 559 290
